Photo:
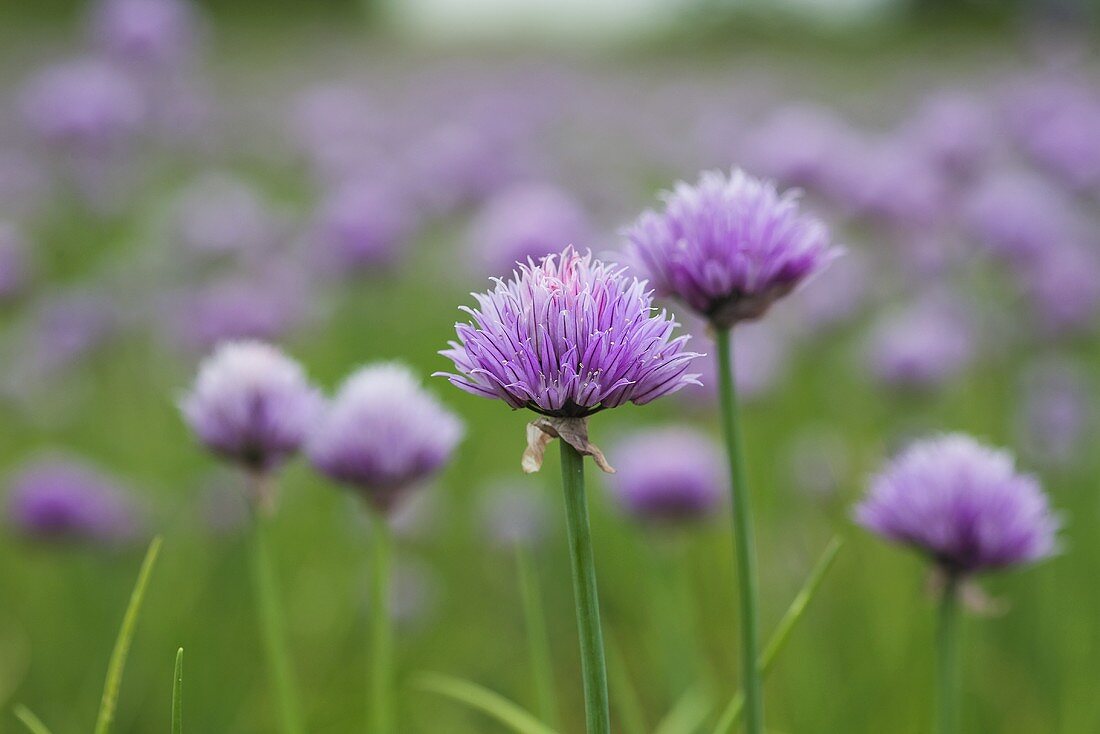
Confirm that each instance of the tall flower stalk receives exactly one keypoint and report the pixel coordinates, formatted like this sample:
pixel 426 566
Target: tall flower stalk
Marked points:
pixel 253 406
pixel 568 337
pixel 728 248
pixel 743 536
pixel 965 507
pixel 382 436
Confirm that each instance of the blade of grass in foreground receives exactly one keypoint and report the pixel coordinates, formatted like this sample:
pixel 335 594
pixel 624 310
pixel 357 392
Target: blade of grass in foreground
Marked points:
pixel 482 699
pixel 33 723
pixel 627 704
pixel 177 694
pixel 122 644
pixel 783 630
pixel 687 715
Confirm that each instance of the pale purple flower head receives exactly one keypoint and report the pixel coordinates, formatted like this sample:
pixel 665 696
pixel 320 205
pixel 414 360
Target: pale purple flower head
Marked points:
pixel 252 405
pixel 526 221
pixel 729 247
pixel 383 434
pixel 961 503
pixel 364 225
pixel 87 105
pixel 568 337
pixel 60 498
pixel 923 344
pixel 219 214
pixel 956 130
pixel 235 309
pixel 668 474
pixel 1018 215
pixel 1063 286
pixel 146 32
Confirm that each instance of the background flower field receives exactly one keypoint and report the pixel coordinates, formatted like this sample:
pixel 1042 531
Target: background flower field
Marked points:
pixel 340 190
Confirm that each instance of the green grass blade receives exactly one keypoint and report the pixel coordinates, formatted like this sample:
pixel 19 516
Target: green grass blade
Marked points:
pixel 122 644
pixel 177 694
pixel 33 723
pixel 627 704
pixel 687 715
pixel 482 699
pixel 783 630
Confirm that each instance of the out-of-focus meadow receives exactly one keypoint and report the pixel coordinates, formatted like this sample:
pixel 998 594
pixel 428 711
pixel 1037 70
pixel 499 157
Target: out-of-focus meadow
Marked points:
pixel 338 188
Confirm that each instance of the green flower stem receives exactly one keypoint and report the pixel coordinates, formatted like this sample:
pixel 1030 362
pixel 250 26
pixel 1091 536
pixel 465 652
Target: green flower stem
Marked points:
pixel 381 679
pixel 593 666
pixel 742 536
pixel 947 669
pixel 538 640
pixel 273 627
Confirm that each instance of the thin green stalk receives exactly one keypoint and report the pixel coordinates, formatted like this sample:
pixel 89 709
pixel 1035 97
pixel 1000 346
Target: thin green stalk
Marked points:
pixel 177 694
pixel 122 644
pixel 28 719
pixel 783 630
pixel 743 539
pixel 593 666
pixel 538 640
pixel 947 671
pixel 273 629
pixel 482 699
pixel 381 681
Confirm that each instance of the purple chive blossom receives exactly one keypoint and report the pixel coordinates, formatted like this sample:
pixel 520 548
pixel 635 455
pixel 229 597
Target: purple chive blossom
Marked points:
pixel 160 33
pixel 954 130
pixel 238 308
pixel 86 105
pixel 383 434
pixel 568 337
pixel 252 405
pixel 363 225
pixel 61 498
pixel 218 214
pixel 729 247
pixel 921 345
pixel 669 475
pixel 1064 287
pixel 1018 215
pixel 526 221
pixel 961 503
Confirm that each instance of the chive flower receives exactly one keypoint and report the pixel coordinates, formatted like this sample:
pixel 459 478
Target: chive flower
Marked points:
pixel 59 498
pixel 568 337
pixel 383 434
pixel 251 405
pixel 729 246
pixel 962 504
pixel 669 475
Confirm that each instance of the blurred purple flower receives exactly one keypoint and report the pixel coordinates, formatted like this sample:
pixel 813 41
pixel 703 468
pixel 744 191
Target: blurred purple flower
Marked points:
pixel 1056 121
pixel 900 186
pixel 1056 411
pixel 923 344
pixel 86 105
pixel 62 498
pixel 146 33
pixel 1018 215
pixel 1064 287
pixel 364 225
pixel 68 326
pixel 526 221
pixel 955 130
pixel 828 302
pixel 671 474
pixel 383 434
pixel 729 247
pixel 803 146
pixel 514 515
pixel 238 308
pixel 569 337
pixel 962 504
pixel 218 214
pixel 251 405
